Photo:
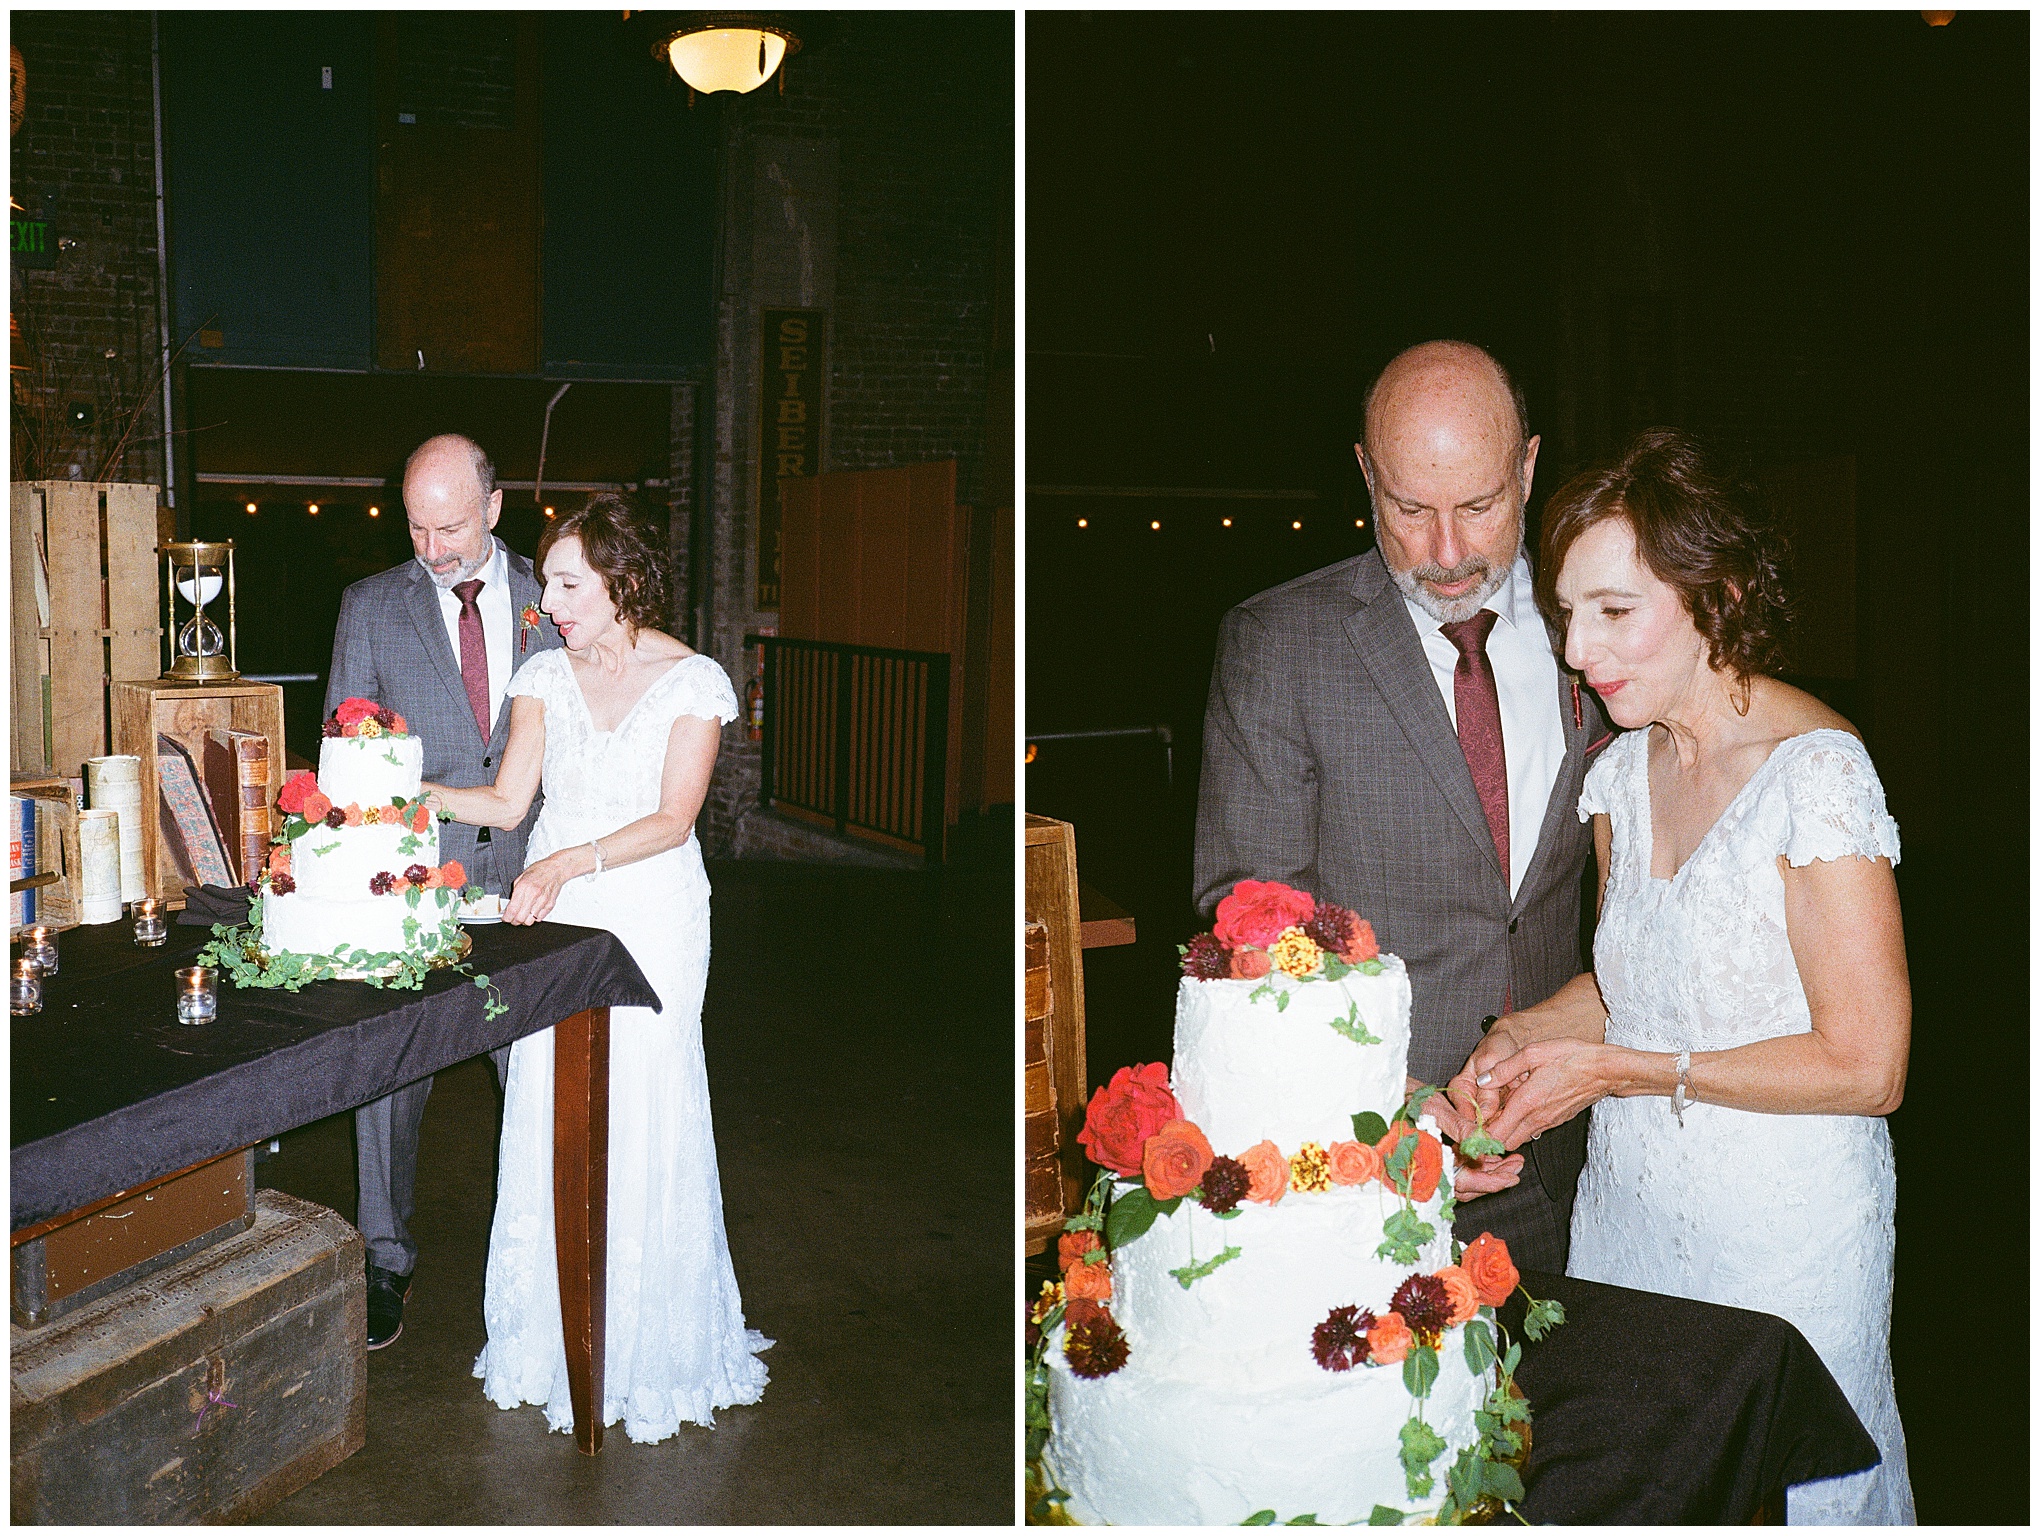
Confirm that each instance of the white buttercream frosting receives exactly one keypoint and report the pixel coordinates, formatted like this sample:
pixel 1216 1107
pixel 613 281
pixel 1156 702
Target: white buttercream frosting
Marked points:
pixel 370 770
pixel 1221 1409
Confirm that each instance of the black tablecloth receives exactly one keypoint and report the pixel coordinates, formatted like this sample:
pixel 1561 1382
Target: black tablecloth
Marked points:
pixel 110 1091
pixel 1653 1410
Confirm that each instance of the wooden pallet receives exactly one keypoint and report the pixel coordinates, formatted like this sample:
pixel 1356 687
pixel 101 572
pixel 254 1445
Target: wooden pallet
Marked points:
pixel 87 611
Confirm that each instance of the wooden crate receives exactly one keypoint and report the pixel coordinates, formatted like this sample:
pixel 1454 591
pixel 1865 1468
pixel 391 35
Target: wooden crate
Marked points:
pixel 1052 903
pixel 57 904
pixel 87 610
pixel 1045 1206
pixel 187 711
pixel 119 1409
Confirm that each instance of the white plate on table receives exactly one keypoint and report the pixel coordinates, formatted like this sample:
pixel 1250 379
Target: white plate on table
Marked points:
pixel 487 909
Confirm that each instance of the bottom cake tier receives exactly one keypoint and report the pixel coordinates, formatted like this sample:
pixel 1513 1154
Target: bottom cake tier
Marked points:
pixel 298 924
pixel 1135 1448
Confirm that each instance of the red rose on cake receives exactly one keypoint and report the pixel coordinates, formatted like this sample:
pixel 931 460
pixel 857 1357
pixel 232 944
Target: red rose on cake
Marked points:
pixel 354 711
pixel 1122 1115
pixel 1258 910
pixel 1174 1159
pixel 452 876
pixel 301 784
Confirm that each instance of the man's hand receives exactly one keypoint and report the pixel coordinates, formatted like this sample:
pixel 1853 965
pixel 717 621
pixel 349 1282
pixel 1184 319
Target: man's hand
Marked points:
pixel 1455 1125
pixel 1474 1098
pixel 1485 1176
pixel 1551 1081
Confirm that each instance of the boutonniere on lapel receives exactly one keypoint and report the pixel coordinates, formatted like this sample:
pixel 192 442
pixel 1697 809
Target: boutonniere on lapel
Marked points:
pixel 527 621
pixel 1577 721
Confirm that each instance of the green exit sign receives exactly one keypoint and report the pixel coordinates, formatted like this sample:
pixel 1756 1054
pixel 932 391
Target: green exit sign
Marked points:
pixel 33 243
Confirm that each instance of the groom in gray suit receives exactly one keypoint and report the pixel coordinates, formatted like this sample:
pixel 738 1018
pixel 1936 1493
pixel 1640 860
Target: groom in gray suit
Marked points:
pixel 436 639
pixel 1393 734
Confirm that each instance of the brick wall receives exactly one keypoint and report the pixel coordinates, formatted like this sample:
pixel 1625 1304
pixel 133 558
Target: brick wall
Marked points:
pixel 86 155
pixel 876 190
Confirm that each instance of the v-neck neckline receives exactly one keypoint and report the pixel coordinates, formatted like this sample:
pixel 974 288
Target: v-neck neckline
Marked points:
pixel 1650 813
pixel 589 714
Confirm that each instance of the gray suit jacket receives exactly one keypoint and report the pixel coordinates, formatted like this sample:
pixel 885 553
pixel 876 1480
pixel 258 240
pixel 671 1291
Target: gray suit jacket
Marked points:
pixel 390 645
pixel 1330 764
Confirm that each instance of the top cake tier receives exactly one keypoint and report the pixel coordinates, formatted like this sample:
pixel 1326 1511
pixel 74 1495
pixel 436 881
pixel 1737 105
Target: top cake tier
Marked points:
pixel 370 770
pixel 1247 1070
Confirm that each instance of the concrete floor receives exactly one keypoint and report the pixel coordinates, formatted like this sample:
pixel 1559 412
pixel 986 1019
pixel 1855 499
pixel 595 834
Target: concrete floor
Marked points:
pixel 859 1033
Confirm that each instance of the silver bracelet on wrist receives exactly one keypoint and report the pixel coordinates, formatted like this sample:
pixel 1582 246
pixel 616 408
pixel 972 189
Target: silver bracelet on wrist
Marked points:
pixel 1682 1090
pixel 596 844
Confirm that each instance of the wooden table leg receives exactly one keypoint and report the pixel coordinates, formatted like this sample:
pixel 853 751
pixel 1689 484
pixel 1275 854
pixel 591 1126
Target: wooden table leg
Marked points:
pixel 581 1207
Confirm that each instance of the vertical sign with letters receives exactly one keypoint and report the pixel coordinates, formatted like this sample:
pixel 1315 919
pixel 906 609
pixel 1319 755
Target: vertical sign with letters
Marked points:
pixel 792 375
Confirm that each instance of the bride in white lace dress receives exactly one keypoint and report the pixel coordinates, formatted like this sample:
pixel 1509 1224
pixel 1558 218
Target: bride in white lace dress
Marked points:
pixel 622 728
pixel 1747 1022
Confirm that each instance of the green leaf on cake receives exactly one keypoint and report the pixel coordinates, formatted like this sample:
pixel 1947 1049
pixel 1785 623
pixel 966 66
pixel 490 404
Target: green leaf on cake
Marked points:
pixel 1512 1359
pixel 472 893
pixel 1417 1101
pixel 1191 1273
pixel 1084 1221
pixel 1397 1170
pixel 1420 1447
pixel 410 930
pixel 1368 1127
pixel 1370 967
pixel 413 896
pixel 1448 1202
pixel 1466 1479
pixel 1265 989
pixel 1403 1236
pixel 1231 1215
pixel 1337 969
pixel 390 757
pixel 1282 1000
pixel 1301 1520
pixel 1480 1144
pixel 1386 1514
pixel 1541 1318
pixel 1480 1346
pixel 1353 1029
pixel 320 853
pixel 1501 1480
pixel 1420 1370
pixel 1133 1212
pixel 1260 1517
pixel 409 843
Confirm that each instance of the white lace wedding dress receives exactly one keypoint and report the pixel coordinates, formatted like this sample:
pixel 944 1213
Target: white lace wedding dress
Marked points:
pixel 676 1346
pixel 1786 1214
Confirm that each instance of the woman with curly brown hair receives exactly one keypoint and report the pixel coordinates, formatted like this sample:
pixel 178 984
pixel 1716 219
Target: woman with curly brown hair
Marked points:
pixel 1749 961
pixel 620 729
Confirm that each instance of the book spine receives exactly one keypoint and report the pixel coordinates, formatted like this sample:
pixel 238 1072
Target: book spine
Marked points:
pixel 251 758
pixel 20 858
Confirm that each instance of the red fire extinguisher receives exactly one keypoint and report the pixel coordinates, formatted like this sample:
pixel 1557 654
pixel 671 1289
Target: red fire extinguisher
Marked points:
pixel 754 709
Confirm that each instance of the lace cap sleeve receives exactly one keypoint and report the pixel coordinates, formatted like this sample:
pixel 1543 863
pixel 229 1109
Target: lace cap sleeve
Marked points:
pixel 701 687
pixel 1834 803
pixel 1598 791
pixel 527 680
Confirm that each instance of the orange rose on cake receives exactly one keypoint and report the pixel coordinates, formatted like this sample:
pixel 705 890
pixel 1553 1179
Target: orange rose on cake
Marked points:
pixel 1459 1290
pixel 1425 1168
pixel 1389 1339
pixel 1267 1172
pixel 1091 1281
pixel 1487 1263
pixel 1174 1159
pixel 1354 1162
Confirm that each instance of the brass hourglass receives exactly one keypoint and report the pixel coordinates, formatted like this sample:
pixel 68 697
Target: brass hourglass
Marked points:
pixel 197 573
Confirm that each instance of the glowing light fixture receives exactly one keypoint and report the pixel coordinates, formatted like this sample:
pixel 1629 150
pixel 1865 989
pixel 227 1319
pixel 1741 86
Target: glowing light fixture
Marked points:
pixel 1155 526
pixel 375 511
pixel 1225 522
pixel 727 50
pixel 251 509
pixel 1083 522
pixel 314 509
pixel 1296 525
pixel 1937 18
pixel 548 511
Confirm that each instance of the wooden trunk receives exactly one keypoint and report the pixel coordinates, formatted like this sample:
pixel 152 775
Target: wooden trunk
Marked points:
pixel 187 711
pixel 207 1392
pixel 87 610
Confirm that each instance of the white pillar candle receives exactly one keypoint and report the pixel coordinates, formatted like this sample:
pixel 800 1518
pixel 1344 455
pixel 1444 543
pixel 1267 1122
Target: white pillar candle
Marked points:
pixel 115 784
pixel 99 849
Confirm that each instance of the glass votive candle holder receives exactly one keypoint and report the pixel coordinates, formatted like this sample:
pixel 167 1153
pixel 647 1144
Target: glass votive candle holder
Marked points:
pixel 24 988
pixel 151 927
pixel 39 948
pixel 198 996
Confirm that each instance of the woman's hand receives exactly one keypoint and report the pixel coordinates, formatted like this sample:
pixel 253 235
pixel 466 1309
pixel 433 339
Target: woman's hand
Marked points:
pixel 1549 1081
pixel 1485 1176
pixel 532 897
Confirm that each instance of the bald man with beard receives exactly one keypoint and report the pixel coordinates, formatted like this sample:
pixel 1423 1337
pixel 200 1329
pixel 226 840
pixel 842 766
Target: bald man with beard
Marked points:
pixel 1395 734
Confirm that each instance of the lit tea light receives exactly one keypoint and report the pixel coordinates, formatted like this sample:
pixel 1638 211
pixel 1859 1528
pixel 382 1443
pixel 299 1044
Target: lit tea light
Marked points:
pixel 39 949
pixel 151 927
pixel 198 997
pixel 24 989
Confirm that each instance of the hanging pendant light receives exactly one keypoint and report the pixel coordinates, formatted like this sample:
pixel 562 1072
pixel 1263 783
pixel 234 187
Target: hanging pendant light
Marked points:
pixel 727 50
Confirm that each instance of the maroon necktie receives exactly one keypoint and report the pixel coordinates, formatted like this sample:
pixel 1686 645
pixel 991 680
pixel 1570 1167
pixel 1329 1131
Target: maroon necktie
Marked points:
pixel 1480 724
pixel 474 660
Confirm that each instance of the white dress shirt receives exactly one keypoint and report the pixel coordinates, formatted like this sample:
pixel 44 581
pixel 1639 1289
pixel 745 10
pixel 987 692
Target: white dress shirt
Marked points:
pixel 1526 685
pixel 493 603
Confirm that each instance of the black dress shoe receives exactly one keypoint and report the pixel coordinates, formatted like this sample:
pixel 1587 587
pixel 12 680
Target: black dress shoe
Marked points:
pixel 387 1293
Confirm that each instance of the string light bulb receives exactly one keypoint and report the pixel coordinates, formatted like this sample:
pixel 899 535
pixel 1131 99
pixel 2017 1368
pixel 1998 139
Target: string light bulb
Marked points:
pixel 1083 522
pixel 1225 522
pixel 548 511
pixel 1297 526
pixel 251 509
pixel 1156 526
pixel 375 512
pixel 313 509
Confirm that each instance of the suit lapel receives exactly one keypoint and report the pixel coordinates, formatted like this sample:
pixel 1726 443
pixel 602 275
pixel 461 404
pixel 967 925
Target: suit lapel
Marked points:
pixel 1381 630
pixel 423 605
pixel 1565 788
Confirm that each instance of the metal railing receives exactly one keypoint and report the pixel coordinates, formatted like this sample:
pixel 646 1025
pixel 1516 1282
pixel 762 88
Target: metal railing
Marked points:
pixel 859 734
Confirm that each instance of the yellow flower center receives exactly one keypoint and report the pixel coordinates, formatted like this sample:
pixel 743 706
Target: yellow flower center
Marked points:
pixel 1295 953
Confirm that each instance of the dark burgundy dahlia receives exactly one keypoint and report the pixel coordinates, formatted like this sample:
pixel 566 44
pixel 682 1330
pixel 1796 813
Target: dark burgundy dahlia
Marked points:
pixel 281 885
pixel 385 717
pixel 336 818
pixel 331 729
pixel 1095 1347
pixel 1205 959
pixel 1426 1307
pixel 1330 927
pixel 1340 1342
pixel 1225 1185
pixel 417 874
pixel 381 883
